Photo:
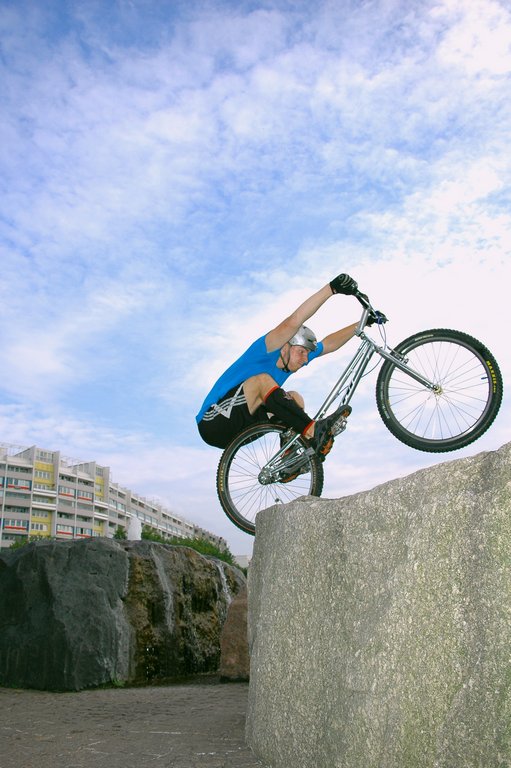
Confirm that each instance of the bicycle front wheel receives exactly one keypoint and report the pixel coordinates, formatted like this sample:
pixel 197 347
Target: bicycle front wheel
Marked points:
pixel 239 490
pixel 466 400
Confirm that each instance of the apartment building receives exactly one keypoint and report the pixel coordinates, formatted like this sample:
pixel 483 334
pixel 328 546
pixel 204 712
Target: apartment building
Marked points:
pixel 44 494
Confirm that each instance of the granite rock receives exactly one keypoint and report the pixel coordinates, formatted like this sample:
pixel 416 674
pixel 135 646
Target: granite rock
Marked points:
pixel 380 624
pixel 234 658
pixel 81 614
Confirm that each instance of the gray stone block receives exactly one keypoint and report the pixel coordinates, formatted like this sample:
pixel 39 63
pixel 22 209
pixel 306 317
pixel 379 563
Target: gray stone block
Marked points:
pixel 380 624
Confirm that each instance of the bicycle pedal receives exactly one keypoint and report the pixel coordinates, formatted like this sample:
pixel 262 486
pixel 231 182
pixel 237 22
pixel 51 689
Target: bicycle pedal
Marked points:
pixel 341 423
pixel 286 436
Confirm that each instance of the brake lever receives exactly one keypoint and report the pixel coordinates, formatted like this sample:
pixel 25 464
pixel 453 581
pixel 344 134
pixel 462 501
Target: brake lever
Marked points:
pixel 376 318
pixel 374 315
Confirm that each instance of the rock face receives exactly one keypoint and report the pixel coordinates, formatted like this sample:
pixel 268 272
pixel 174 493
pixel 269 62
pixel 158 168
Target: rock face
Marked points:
pixel 80 614
pixel 380 624
pixel 234 659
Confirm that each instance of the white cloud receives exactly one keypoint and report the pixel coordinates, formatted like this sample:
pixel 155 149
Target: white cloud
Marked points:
pixel 479 41
pixel 168 197
pixel 52 347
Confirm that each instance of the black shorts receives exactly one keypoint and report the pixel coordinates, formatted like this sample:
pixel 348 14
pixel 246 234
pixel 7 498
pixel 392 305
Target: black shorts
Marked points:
pixel 227 418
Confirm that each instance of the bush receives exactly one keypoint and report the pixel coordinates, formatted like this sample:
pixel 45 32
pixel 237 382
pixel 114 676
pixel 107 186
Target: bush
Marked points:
pixel 205 548
pixel 149 535
pixel 202 546
pixel 22 541
pixel 19 542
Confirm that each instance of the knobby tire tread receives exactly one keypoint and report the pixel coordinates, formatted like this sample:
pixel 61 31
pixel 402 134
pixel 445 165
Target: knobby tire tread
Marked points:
pixel 250 434
pixel 493 402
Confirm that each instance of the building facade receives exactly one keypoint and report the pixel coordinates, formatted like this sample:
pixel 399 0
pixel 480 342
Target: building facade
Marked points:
pixel 43 494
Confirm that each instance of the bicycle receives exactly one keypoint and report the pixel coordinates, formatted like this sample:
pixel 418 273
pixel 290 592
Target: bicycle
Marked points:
pixel 438 390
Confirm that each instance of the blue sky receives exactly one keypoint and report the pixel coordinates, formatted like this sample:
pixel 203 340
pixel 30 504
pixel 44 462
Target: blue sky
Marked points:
pixel 177 176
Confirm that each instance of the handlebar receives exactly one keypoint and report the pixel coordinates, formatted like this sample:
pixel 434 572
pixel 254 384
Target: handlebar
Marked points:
pixel 373 315
pixel 363 299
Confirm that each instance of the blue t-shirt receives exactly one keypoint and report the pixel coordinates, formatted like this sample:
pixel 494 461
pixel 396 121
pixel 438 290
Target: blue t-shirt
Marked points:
pixel 255 360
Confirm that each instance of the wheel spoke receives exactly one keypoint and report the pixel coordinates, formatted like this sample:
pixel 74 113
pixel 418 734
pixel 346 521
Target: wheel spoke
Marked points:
pixel 463 403
pixel 245 495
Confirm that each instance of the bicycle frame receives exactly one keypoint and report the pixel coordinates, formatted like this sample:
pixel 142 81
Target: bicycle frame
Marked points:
pixel 347 383
pixel 356 368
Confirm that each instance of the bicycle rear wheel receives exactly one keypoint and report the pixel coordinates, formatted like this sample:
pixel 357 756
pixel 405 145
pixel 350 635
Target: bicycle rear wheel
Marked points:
pixel 465 404
pixel 240 492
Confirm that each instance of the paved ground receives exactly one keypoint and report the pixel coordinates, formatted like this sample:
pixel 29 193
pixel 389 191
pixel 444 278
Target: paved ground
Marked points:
pixel 197 725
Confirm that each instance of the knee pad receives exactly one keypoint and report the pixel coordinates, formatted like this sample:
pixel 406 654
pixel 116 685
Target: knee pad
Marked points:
pixel 278 401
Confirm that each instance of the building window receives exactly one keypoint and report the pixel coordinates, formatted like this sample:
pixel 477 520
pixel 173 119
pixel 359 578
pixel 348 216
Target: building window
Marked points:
pixel 16 468
pixel 10 509
pixel 18 482
pixel 65 490
pixel 43 474
pixel 66 529
pixel 46 456
pixel 15 525
pixel 38 527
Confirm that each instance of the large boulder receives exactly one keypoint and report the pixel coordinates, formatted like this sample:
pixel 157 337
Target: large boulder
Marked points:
pixel 80 614
pixel 234 658
pixel 380 624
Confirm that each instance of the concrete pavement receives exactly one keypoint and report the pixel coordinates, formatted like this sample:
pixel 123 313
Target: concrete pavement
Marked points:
pixel 195 725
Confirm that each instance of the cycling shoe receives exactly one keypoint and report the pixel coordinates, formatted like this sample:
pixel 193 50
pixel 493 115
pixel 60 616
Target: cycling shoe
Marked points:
pixel 326 429
pixel 287 478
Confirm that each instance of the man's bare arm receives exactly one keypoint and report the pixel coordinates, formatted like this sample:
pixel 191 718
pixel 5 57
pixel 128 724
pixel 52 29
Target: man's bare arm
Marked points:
pixel 276 338
pixel 336 340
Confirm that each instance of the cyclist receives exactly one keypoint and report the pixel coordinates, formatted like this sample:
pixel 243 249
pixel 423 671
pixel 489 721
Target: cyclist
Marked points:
pixel 251 391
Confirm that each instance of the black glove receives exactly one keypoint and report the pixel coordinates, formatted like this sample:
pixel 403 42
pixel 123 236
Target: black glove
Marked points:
pixel 344 284
pixel 376 317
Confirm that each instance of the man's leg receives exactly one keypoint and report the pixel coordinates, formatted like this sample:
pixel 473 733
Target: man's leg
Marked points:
pixel 262 390
pixel 297 398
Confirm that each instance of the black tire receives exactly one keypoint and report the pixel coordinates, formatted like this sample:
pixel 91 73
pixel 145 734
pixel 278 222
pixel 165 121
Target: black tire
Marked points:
pixel 469 400
pixel 241 494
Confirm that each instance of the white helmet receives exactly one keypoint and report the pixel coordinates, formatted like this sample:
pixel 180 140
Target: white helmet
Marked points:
pixel 304 337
